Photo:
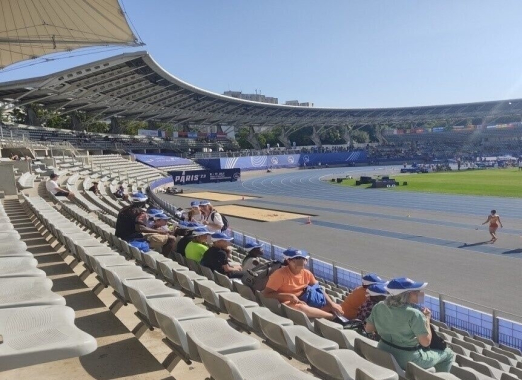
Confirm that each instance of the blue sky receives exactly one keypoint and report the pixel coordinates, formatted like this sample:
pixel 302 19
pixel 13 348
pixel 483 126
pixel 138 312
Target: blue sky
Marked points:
pixel 368 53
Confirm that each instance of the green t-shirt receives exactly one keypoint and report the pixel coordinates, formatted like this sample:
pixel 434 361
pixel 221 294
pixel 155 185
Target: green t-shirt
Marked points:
pixel 195 251
pixel 398 325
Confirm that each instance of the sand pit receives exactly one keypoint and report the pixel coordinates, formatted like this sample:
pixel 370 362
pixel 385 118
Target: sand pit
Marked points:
pixel 259 214
pixel 218 197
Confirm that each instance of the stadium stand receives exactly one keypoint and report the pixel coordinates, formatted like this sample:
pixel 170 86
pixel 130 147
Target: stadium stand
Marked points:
pixel 154 285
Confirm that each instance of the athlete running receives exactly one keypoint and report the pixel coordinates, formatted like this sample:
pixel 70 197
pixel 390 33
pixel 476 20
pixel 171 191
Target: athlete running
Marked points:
pixel 494 222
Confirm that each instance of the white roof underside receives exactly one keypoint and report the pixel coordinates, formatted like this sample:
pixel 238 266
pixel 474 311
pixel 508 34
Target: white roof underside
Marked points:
pixel 32 28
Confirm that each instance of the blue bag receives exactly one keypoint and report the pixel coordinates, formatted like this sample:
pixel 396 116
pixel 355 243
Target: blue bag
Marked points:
pixel 313 296
pixel 142 245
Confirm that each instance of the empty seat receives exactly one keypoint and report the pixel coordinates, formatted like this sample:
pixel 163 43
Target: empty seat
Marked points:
pixel 467 345
pixel 494 363
pixel 344 338
pixel 214 332
pixel 225 281
pixel 414 372
pixel 117 274
pixel 244 290
pixel 482 368
pixel 152 259
pixel 342 364
pixel 271 303
pixel 141 290
pixel 503 359
pixel 19 267
pixel 40 334
pixel 239 308
pixel 167 269
pixel 186 281
pixel 467 373
pixel 252 365
pixel 284 337
pixel 27 291
pixel 377 356
pixel 210 292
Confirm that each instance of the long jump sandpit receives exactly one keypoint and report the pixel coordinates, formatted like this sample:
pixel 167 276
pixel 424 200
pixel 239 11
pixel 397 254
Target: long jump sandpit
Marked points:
pixel 258 214
pixel 218 197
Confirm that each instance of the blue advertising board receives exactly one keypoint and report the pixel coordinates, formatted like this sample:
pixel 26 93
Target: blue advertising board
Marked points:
pixel 277 161
pixel 191 177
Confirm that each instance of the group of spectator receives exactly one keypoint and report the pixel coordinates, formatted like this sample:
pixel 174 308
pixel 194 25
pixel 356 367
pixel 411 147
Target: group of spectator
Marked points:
pixel 390 311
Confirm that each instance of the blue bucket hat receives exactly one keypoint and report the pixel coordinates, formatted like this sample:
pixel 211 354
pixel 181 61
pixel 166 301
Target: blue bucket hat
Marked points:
pixel 138 197
pixel 293 253
pixel 204 203
pixel 377 290
pixel 194 204
pixel 193 225
pixel 161 217
pixel 403 284
pixel 154 211
pixel 371 278
pixel 251 246
pixel 221 236
pixel 201 231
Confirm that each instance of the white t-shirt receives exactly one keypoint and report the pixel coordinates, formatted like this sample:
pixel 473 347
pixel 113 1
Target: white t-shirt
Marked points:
pixel 52 187
pixel 217 220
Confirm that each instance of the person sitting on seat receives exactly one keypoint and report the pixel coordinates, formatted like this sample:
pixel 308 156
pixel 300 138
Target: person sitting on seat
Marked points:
pixel 94 189
pixel 52 186
pixel 216 257
pixel 404 327
pixel 211 218
pixel 185 230
pixel 197 247
pixel 161 242
pixel 120 193
pixel 375 293
pixel 151 213
pixel 131 224
pixel 296 286
pixel 194 214
pixel 355 299
pixel 254 252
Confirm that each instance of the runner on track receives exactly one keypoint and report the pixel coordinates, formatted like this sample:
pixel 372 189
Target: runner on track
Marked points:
pixel 494 221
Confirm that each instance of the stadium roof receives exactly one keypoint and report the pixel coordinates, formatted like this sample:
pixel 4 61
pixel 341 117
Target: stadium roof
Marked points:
pixel 30 29
pixel 134 86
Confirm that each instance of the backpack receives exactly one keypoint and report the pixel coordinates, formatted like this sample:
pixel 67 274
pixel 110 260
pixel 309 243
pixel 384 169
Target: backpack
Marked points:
pixel 257 277
pixel 225 221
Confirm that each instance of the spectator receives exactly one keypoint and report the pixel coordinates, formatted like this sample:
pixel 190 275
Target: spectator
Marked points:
pixel 120 193
pixel 151 212
pixel 293 284
pixel 165 243
pixel 197 247
pixel 195 214
pixel 211 218
pixel 94 188
pixel 52 186
pixel 131 224
pixel 254 252
pixel 355 299
pixel 375 294
pixel 216 257
pixel 187 238
pixel 404 327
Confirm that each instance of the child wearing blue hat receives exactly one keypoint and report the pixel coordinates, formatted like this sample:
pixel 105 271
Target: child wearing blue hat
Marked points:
pixel 355 299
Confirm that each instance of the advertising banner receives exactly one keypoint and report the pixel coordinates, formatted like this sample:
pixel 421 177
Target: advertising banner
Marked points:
pixel 158 161
pixel 149 132
pixel 192 177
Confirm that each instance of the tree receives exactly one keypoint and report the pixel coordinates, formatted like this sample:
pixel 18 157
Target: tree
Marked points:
pixel 360 136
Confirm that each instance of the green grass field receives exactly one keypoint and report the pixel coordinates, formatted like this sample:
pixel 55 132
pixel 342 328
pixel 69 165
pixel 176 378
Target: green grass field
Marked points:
pixel 489 182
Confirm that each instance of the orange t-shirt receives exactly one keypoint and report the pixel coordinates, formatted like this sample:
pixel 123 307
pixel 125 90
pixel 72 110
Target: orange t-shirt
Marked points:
pixel 353 301
pixel 284 281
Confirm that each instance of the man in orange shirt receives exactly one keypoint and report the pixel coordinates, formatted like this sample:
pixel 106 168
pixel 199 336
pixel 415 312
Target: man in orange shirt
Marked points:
pixel 355 299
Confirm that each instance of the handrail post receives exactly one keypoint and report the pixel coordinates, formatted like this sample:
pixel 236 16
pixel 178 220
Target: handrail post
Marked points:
pixel 272 251
pixel 442 309
pixel 334 270
pixel 495 330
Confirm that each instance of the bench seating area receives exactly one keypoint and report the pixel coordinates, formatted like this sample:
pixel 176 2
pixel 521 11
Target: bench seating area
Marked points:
pixel 35 325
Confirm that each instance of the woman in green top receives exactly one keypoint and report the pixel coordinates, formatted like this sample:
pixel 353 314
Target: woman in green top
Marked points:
pixel 405 329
